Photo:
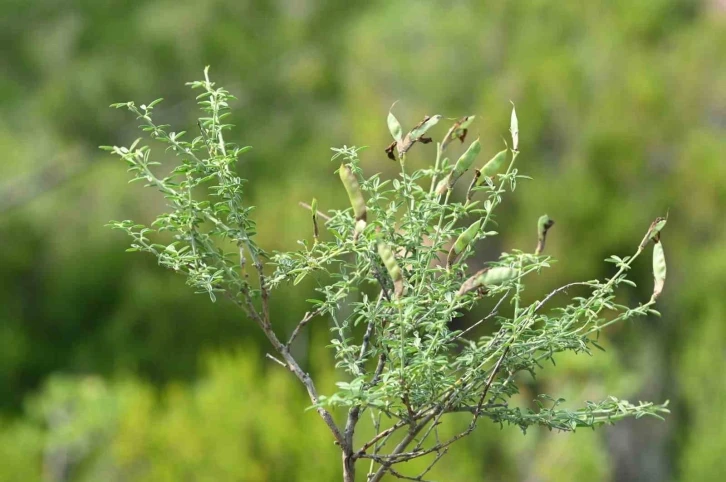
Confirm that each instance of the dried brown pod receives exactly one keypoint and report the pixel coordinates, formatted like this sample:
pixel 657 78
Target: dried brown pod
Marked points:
pixel 544 223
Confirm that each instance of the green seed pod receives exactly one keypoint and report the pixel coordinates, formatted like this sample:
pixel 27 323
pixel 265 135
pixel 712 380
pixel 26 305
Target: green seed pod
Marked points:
pixel 424 126
pixel 657 227
pixel 394 127
pixel 355 195
pixel 493 166
pixel 544 223
pixel 464 162
pixel 498 275
pixel 467 158
pixel 488 277
pixel 659 270
pixel 466 121
pixel 463 241
pixel 458 130
pixel 514 129
pixel 394 271
pixel 654 231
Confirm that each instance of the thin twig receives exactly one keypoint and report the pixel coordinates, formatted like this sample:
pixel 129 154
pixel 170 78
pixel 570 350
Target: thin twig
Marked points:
pixel 398 449
pixel 493 313
pixel 308 316
pixel 379 369
pixel 489 382
pixel 559 290
pixel 406 477
pixel 431 465
pixel 309 207
pixel 276 360
pixel 378 437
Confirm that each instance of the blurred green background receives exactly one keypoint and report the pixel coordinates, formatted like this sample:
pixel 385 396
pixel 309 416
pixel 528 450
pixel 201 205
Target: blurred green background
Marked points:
pixel 111 370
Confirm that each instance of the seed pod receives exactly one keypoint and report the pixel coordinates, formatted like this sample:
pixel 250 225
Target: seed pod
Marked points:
pixel 423 127
pixel 493 166
pixel 394 271
pixel 544 223
pixel 356 197
pixel 458 130
pixel 394 127
pixel 443 185
pixel 416 135
pixel 654 231
pixel 314 210
pixel 488 277
pixel 463 241
pixel 656 228
pixel 464 162
pixel 659 270
pixel 514 129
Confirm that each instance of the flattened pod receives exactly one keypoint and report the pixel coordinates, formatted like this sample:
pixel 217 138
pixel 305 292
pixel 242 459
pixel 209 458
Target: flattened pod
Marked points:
pixel 656 228
pixel 488 277
pixel 493 166
pixel 424 126
pixel 458 130
pixel 654 231
pixel 467 158
pixel 498 275
pixel 394 271
pixel 659 270
pixel 355 195
pixel 464 163
pixel 463 241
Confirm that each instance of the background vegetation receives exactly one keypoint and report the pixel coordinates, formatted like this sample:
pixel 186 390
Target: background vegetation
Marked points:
pixel 111 370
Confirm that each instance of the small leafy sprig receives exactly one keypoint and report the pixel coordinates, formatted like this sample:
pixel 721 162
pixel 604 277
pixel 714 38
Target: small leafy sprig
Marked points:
pixel 394 270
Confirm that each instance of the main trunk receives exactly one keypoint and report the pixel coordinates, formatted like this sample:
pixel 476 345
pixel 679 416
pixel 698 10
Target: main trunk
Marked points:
pixel 348 468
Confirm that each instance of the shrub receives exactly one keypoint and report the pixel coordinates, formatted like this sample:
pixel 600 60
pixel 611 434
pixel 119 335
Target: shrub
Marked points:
pixel 393 272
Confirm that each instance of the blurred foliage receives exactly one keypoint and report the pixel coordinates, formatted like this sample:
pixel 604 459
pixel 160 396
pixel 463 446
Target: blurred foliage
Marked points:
pixel 622 110
pixel 240 421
